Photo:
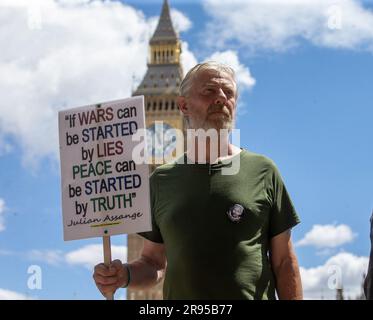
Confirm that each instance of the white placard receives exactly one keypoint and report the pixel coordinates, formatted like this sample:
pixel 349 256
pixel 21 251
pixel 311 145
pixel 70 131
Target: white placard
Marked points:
pixel 104 191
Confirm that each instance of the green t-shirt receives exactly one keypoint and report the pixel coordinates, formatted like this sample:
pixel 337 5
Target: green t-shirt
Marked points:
pixel 211 254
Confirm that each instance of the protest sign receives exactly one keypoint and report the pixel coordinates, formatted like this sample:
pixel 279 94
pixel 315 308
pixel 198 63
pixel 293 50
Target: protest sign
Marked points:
pixel 104 190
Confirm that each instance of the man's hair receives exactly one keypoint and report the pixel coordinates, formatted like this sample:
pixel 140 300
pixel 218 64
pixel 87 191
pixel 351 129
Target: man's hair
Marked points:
pixel 186 84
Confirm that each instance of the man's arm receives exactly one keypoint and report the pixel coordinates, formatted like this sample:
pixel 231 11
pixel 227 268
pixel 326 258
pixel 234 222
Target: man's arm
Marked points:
pixel 146 272
pixel 368 283
pixel 285 267
pixel 150 268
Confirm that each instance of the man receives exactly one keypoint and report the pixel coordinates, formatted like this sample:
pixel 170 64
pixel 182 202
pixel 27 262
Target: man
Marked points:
pixel 214 236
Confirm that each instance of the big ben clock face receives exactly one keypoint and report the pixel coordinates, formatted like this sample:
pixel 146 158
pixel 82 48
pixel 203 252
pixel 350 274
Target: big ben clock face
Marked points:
pixel 161 139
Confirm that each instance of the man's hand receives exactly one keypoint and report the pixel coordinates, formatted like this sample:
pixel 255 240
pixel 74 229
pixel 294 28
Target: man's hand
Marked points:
pixel 110 278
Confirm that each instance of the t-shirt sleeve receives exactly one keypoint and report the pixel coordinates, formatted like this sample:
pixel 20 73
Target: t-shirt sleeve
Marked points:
pixel 283 215
pixel 154 235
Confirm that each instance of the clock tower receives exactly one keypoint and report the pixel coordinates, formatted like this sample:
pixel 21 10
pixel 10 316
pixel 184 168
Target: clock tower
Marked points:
pixel 160 86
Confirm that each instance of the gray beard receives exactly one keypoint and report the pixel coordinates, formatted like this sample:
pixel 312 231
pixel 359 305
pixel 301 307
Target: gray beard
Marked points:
pixel 222 122
pixel 217 123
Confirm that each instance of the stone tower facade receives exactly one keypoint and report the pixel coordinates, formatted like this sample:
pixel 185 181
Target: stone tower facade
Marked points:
pixel 160 86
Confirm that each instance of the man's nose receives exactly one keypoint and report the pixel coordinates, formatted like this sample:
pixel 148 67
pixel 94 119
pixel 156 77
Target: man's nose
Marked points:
pixel 221 98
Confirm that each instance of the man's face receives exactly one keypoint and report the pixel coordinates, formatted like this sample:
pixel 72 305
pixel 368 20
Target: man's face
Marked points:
pixel 211 102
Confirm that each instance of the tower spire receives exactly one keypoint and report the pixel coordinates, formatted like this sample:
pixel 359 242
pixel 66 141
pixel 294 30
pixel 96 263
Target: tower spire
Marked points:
pixel 165 31
pixel 164 72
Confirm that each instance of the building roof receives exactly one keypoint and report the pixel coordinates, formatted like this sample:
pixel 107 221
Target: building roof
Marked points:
pixel 165 31
pixel 161 79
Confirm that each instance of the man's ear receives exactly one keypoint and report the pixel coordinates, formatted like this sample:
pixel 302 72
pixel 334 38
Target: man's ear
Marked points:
pixel 182 104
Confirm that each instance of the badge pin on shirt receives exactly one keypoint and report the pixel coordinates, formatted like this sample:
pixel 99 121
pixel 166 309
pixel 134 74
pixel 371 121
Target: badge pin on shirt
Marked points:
pixel 235 213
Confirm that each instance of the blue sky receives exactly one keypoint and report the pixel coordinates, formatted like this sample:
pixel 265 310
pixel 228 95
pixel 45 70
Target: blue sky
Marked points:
pixel 306 102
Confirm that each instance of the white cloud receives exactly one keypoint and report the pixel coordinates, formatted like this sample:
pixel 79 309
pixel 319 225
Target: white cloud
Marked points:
pixel 12 295
pixel 281 24
pixel 12 3
pixel 180 21
pixel 5 147
pixel 90 255
pixel 342 270
pixel 326 251
pixel 5 252
pixel 327 236
pixel 66 63
pixel 188 59
pixel 243 75
pixel 87 256
pixel 2 209
pixel 52 257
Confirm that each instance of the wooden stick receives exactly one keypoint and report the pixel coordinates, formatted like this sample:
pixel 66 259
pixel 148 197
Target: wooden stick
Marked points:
pixel 107 260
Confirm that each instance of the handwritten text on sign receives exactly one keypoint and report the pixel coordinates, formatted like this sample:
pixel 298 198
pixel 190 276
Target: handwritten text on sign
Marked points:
pixel 104 191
